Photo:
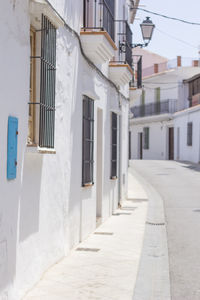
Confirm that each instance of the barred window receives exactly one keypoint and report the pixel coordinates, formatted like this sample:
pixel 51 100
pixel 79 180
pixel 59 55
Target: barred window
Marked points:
pixel 88 141
pixel 113 145
pixel 46 103
pixel 146 137
pixel 189 134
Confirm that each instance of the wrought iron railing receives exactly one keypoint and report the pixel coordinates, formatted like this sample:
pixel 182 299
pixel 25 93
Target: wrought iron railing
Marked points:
pixel 99 15
pixel 136 80
pixel 162 107
pixel 125 41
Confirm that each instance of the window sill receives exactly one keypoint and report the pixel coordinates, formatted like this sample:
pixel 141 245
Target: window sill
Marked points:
pixel 87 185
pixel 113 178
pixel 34 148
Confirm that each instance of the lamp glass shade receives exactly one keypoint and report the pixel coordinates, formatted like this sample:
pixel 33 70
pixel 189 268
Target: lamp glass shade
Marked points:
pixel 147 28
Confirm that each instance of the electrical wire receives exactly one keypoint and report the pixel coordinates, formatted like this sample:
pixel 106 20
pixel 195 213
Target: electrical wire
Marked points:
pixel 173 37
pixel 166 17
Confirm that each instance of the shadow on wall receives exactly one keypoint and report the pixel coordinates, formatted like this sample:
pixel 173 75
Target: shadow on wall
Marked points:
pixel 30 195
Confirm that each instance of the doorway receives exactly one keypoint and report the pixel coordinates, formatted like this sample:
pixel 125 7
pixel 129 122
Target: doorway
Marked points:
pixel 140 145
pixel 178 143
pixel 171 143
pixel 99 169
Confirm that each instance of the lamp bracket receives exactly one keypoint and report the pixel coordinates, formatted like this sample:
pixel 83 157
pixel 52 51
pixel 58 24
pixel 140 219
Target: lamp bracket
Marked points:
pixel 139 45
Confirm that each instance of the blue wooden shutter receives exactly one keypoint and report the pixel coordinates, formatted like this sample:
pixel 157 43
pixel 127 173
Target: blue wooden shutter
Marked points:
pixel 12 147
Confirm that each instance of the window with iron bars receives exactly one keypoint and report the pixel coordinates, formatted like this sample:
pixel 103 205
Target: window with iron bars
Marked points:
pixel 113 145
pixel 189 134
pixel 88 141
pixel 47 59
pixel 146 137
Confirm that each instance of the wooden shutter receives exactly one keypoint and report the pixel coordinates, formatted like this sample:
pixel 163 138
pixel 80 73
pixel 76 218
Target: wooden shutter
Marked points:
pixel 31 120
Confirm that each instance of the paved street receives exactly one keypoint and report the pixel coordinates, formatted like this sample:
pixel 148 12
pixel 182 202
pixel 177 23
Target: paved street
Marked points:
pixel 105 265
pixel 178 184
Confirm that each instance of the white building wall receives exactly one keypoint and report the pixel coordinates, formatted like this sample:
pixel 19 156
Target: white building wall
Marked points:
pixel 45 212
pixel 171 87
pixel 182 150
pixel 158 140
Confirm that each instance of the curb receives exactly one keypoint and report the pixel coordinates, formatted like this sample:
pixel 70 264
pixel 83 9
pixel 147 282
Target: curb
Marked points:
pixel 153 280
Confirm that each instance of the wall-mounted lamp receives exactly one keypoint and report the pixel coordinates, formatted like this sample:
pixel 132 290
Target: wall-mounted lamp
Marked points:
pixel 147 28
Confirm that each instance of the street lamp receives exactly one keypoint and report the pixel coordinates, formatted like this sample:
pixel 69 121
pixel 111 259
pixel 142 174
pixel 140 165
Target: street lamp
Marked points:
pixel 147 28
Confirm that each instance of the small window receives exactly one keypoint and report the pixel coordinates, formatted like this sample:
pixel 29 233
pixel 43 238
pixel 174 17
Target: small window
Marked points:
pixel 113 145
pixel 189 134
pixel 88 141
pixel 46 90
pixel 146 137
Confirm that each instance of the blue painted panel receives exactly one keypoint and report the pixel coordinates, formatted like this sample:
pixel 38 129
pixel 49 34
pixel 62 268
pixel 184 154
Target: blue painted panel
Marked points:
pixel 12 147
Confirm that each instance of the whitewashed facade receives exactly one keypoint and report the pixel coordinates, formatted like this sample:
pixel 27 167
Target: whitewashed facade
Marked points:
pixel 45 211
pixel 187 123
pixel 164 95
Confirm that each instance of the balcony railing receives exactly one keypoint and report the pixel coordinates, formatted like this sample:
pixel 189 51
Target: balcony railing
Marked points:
pixel 99 15
pixel 151 109
pixel 125 41
pixel 137 77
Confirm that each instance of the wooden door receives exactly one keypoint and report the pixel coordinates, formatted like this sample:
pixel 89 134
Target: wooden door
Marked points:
pixel 171 143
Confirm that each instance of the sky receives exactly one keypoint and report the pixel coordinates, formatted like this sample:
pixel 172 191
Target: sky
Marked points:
pixel 167 33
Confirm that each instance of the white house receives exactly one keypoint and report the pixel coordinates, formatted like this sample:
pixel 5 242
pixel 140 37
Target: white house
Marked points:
pixel 187 122
pixel 64 129
pixel 152 119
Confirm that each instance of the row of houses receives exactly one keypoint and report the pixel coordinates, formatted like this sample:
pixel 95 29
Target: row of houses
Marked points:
pixel 64 128
pixel 165 114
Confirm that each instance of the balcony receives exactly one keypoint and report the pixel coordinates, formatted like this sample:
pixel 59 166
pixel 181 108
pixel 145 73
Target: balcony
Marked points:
pixel 98 32
pixel 135 85
pixel 120 71
pixel 153 109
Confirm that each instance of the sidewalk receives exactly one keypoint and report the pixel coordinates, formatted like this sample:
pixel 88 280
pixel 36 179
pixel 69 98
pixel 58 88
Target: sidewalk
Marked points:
pixel 105 265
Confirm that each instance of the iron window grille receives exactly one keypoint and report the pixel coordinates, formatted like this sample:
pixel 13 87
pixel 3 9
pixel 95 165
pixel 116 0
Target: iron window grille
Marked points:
pixel 88 141
pixel 99 15
pixel 47 83
pixel 113 145
pixel 189 134
pixel 146 137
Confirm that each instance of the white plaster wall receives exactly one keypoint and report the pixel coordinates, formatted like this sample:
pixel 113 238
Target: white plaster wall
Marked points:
pixel 188 153
pixel 45 211
pixel 158 140
pixel 170 83
pixel 14 78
